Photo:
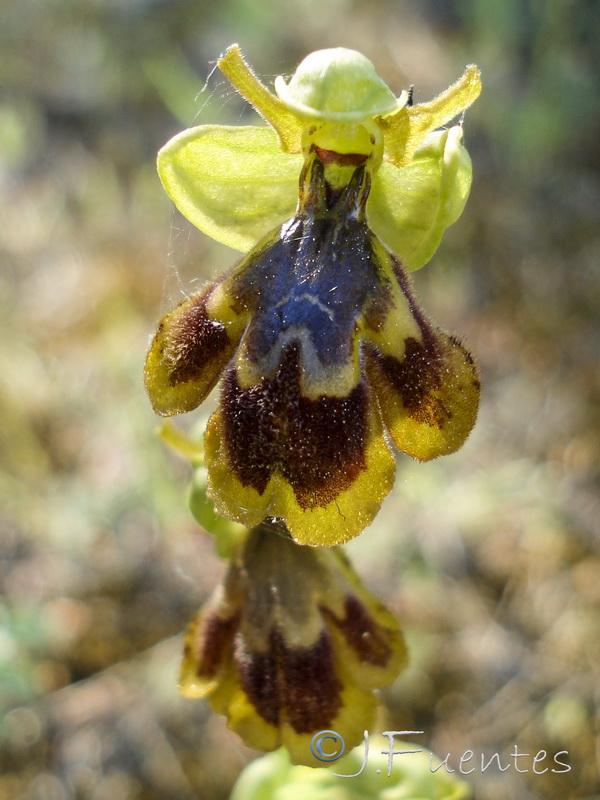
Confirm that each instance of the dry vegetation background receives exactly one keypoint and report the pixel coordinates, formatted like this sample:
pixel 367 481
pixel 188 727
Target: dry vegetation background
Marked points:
pixel 490 557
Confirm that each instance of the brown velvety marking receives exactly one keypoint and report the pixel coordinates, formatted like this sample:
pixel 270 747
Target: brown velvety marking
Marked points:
pixel 192 341
pixel 419 373
pixel 216 637
pixel 295 685
pixel 363 635
pixel 415 378
pixel 317 445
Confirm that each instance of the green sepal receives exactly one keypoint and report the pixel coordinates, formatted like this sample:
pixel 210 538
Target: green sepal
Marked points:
pixel 233 183
pixel 337 84
pixel 410 208
pixel 404 130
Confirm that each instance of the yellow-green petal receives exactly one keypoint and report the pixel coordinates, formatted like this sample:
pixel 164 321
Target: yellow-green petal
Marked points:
pixel 233 183
pixel 285 122
pixel 409 209
pixel 404 130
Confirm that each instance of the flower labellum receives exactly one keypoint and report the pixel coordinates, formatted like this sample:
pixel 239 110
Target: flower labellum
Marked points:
pixel 291 644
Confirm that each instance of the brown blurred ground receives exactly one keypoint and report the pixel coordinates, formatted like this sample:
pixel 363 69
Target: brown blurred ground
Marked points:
pixel 491 557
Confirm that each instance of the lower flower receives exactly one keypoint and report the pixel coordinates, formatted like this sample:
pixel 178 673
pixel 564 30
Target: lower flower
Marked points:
pixel 291 644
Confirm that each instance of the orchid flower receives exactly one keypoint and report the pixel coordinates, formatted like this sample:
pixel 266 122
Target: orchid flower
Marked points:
pixel 290 644
pixel 326 357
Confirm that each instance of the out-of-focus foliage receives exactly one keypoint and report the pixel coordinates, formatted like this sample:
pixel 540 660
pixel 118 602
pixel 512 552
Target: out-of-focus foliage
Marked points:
pixel 414 774
pixel 490 557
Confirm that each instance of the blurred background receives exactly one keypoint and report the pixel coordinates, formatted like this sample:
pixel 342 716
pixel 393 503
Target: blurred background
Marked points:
pixel 490 557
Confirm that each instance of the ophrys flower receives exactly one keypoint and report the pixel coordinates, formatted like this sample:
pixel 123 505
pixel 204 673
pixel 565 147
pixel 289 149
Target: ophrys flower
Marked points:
pixel 291 644
pixel 323 348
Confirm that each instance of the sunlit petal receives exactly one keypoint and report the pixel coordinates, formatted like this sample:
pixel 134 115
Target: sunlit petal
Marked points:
pixel 409 209
pixel 405 130
pixel 191 348
pixel 234 184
